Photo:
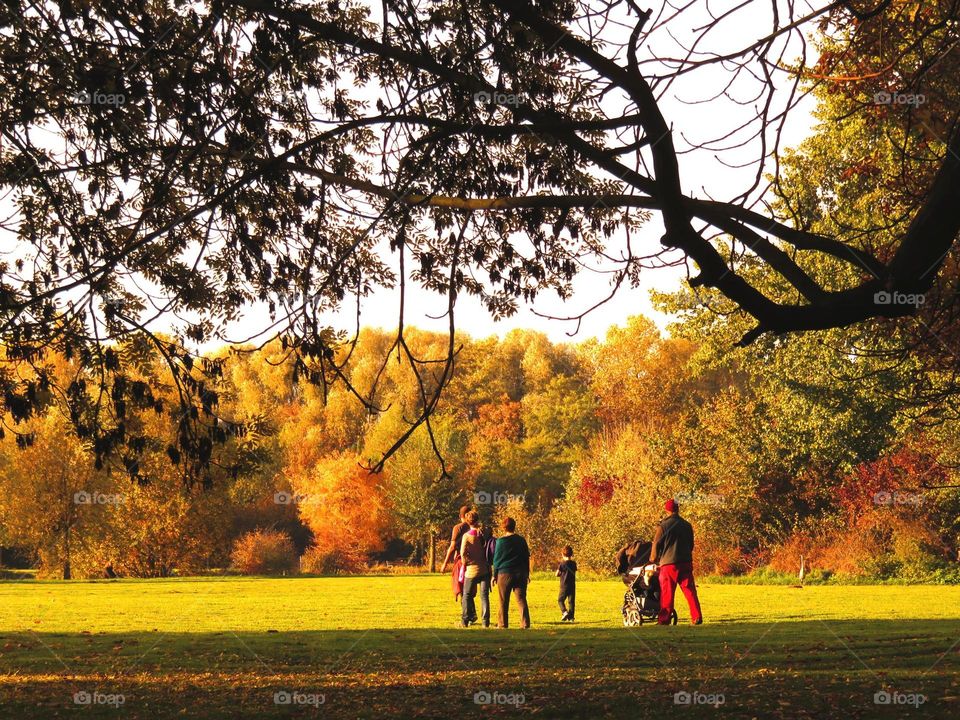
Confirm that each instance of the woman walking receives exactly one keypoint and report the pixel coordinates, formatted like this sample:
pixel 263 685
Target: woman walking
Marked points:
pixel 476 573
pixel 511 572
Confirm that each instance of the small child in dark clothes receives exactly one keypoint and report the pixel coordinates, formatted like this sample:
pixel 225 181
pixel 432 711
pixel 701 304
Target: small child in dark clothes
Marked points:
pixel 567 572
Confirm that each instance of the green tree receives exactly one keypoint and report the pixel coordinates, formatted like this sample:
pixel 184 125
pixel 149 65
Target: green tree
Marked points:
pixel 424 494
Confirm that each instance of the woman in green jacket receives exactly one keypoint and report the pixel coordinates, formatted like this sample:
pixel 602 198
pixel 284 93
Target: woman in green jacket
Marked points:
pixel 511 572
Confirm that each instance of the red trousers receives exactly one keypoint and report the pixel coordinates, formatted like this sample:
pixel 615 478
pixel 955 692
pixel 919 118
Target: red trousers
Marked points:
pixel 670 576
pixel 455 581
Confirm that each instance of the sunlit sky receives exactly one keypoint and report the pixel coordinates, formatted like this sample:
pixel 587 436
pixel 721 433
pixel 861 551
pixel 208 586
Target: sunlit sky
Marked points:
pixel 702 174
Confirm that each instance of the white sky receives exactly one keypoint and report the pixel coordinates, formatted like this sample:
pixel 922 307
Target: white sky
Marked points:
pixel 702 174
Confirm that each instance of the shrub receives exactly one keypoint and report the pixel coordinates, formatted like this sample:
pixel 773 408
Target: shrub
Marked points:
pixel 606 501
pixel 319 560
pixel 264 552
pixel 346 511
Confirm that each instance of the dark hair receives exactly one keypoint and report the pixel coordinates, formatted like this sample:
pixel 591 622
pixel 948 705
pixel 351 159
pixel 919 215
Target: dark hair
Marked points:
pixel 464 509
pixel 567 551
pixel 472 517
pixel 508 524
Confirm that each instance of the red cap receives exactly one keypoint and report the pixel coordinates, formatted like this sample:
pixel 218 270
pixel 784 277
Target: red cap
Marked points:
pixel 671 505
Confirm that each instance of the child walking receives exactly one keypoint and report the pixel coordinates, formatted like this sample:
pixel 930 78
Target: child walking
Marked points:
pixel 567 572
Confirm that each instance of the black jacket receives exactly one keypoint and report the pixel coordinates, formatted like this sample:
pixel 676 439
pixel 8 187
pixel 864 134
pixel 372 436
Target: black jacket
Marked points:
pixel 676 542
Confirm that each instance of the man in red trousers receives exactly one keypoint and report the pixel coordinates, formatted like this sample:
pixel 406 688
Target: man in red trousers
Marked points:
pixel 673 550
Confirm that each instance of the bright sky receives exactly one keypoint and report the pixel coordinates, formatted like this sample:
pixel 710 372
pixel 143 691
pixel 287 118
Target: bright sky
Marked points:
pixel 703 174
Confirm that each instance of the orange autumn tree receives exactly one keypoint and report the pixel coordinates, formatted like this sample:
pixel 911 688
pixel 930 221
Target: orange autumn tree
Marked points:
pixel 344 506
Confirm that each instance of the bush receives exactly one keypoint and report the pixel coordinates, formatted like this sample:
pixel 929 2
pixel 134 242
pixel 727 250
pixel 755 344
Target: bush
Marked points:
pixel 772 576
pixel 323 561
pixel 264 552
pixel 605 504
pixel 346 512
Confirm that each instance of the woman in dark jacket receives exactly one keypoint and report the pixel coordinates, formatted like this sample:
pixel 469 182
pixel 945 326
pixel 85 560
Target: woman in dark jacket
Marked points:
pixel 511 572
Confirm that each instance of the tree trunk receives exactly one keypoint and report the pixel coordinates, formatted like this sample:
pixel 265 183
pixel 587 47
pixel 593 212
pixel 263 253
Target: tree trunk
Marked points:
pixel 66 553
pixel 433 552
pixel 68 520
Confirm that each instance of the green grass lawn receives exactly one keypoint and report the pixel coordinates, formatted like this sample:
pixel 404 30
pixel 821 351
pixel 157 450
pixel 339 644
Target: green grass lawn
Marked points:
pixel 358 647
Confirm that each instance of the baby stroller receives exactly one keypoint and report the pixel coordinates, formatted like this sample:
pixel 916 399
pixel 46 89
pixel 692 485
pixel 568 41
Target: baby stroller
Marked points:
pixel 641 601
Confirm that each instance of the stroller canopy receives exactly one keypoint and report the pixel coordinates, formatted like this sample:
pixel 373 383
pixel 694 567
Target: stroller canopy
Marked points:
pixel 633 554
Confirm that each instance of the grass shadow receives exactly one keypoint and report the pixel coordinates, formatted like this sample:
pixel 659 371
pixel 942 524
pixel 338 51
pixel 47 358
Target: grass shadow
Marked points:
pixel 802 669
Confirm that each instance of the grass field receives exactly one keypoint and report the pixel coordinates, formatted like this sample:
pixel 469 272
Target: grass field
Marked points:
pixel 359 647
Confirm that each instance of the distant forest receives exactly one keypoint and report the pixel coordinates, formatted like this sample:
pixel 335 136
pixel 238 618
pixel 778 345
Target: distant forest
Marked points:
pixel 582 443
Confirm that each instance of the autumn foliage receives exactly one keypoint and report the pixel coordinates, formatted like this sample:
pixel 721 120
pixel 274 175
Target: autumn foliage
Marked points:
pixel 343 505
pixel 580 443
pixel 264 552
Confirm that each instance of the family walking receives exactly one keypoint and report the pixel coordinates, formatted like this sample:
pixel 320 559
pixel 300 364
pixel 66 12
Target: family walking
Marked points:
pixel 482 561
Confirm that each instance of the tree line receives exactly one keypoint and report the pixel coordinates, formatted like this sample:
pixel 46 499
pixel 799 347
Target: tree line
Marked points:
pixel 770 457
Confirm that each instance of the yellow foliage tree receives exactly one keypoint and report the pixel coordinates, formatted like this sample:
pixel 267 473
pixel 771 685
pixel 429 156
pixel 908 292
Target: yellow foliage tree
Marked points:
pixel 53 501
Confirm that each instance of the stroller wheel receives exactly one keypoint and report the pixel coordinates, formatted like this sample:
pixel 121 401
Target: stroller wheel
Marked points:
pixel 632 617
pixel 674 617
